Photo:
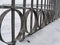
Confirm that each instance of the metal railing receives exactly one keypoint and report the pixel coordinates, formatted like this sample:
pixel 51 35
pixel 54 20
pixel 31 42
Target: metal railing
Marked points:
pixel 46 13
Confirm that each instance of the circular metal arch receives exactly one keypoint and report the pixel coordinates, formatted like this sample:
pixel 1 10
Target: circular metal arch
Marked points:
pixel 1 20
pixel 44 18
pixel 36 20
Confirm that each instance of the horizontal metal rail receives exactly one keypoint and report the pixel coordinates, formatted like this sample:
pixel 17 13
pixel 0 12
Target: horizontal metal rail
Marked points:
pixel 9 6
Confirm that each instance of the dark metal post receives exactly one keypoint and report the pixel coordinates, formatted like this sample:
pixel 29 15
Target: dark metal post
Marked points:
pixel 13 20
pixel 47 4
pixel 42 10
pixel 31 17
pixel 41 4
pixel 48 12
pixel 37 5
pixel 50 9
pixel 37 2
pixel 44 5
pixel 54 8
pixel 24 5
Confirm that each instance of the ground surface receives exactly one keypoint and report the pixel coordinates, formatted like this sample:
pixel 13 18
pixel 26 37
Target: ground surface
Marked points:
pixel 49 35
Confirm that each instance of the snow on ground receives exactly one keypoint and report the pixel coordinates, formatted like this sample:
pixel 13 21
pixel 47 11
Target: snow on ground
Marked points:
pixel 49 35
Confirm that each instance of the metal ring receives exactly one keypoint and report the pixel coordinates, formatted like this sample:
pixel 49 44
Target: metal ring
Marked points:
pixel 36 20
pixel 1 19
pixel 44 17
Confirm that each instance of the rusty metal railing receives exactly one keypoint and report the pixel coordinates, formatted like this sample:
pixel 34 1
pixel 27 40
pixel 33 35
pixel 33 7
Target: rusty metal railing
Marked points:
pixel 46 13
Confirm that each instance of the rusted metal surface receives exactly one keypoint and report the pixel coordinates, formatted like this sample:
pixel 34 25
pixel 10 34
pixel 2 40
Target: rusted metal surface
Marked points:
pixel 46 16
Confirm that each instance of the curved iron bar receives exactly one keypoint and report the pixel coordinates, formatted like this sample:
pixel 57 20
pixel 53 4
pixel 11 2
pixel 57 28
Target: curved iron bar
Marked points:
pixel 36 20
pixel 34 28
pixel 1 19
pixel 44 18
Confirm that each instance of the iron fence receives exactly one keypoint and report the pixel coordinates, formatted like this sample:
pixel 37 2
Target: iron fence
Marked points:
pixel 46 13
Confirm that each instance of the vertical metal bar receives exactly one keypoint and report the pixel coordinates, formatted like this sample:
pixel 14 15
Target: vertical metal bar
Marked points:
pixel 45 9
pixel 41 4
pixel 24 5
pixel 37 4
pixel 51 6
pixel 50 15
pixel 44 5
pixel 47 4
pixel 41 9
pixel 31 17
pixel 48 12
pixel 54 5
pixel 54 8
pixel 13 20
